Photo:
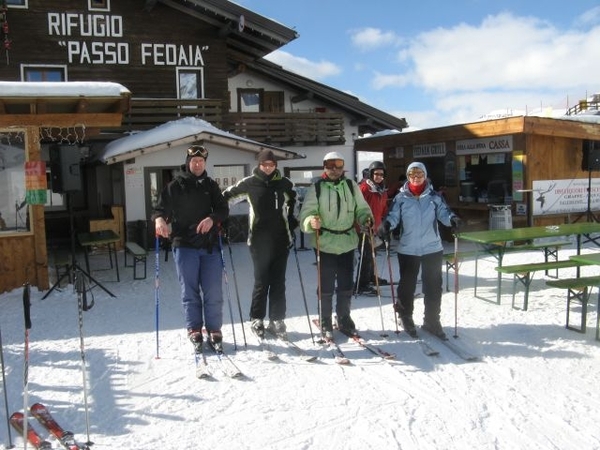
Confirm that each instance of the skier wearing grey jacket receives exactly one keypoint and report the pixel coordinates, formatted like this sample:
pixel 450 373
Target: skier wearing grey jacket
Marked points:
pixel 417 208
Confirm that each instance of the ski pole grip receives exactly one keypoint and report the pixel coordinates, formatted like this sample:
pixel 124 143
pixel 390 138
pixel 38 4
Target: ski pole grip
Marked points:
pixel 26 306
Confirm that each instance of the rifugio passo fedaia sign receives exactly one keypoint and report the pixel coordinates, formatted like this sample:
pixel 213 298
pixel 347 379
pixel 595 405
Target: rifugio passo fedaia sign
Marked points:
pixel 99 39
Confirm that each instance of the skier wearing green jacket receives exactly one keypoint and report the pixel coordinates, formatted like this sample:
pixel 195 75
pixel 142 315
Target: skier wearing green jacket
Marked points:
pixel 332 209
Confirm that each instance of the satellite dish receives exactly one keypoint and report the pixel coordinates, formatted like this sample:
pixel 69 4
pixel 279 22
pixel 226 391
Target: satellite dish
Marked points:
pixel 241 23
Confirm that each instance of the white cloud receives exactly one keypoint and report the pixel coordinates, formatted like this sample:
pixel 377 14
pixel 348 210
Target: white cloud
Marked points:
pixel 504 52
pixel 464 107
pixel 370 38
pixel 590 17
pixel 302 66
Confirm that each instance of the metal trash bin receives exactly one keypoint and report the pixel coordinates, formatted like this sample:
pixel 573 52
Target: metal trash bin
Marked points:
pixel 500 217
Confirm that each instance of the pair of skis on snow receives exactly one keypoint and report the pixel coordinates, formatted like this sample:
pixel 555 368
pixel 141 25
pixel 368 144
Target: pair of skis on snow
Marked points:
pixel 42 414
pixel 455 347
pixel 226 363
pixel 339 356
pixel 229 367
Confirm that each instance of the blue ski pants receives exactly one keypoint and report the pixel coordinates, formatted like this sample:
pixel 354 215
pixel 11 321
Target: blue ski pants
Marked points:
pixel 200 276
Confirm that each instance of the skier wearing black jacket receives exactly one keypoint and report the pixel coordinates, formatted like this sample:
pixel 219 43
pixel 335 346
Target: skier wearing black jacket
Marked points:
pixel 193 205
pixel 271 224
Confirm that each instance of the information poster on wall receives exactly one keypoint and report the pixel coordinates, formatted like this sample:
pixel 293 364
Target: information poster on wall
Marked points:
pixel 565 196
pixel 517 176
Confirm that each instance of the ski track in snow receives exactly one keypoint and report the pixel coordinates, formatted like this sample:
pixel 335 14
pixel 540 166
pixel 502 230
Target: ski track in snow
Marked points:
pixel 535 386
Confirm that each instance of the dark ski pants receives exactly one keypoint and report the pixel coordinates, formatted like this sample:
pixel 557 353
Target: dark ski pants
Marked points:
pixel 270 264
pixel 200 276
pixel 336 268
pixel 431 276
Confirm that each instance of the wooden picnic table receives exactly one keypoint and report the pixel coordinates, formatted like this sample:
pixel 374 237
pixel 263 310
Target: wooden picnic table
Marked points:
pixel 100 238
pixel 495 242
pixel 592 259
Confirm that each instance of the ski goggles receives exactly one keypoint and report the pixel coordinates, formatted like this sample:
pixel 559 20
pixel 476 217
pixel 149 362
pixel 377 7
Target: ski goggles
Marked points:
pixel 416 175
pixel 331 164
pixel 197 150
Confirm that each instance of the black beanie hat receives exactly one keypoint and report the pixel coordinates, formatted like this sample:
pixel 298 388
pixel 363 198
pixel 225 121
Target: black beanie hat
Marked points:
pixel 265 155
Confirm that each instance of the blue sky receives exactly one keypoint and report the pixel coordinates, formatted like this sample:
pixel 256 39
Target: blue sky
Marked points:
pixel 440 62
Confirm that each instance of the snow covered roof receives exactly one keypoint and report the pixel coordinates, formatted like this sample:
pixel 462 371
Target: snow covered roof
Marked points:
pixel 182 132
pixel 12 89
pixel 59 104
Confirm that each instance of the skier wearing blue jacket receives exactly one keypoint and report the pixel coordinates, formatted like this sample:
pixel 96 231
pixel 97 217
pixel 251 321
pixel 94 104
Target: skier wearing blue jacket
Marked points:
pixel 417 208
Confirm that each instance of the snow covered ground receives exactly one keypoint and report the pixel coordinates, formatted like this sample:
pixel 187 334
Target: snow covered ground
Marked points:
pixel 535 386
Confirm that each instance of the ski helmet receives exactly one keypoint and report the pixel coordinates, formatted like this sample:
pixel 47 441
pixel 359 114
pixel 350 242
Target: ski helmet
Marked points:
pixel 374 166
pixel 333 155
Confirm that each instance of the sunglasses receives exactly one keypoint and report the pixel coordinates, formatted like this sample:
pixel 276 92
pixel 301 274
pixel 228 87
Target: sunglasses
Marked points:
pixel 334 164
pixel 416 176
pixel 197 150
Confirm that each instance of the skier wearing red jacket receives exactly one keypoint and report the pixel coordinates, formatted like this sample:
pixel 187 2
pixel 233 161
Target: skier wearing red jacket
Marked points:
pixel 375 193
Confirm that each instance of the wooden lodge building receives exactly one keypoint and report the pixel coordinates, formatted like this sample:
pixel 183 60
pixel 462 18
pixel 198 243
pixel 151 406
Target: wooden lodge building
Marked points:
pixel 177 60
pixel 533 170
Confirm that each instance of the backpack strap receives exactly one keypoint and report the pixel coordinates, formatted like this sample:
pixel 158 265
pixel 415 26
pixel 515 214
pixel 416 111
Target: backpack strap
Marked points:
pixel 320 180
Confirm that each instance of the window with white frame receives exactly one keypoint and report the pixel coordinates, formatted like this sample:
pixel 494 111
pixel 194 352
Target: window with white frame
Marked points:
pixel 190 83
pixel 17 3
pixel 99 5
pixel 35 72
pixel 14 210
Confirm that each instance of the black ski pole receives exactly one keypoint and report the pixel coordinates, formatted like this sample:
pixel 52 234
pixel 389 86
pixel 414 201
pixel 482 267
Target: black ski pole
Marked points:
pixel 455 285
pixel 374 256
pixel 81 306
pixel 303 292
pixel 157 292
pixel 27 314
pixel 360 262
pixel 394 303
pixel 319 302
pixel 10 443
pixel 228 293
pixel 237 291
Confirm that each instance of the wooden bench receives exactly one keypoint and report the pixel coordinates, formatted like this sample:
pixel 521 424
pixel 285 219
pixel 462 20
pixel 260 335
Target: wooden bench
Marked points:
pixel 550 250
pixel 523 273
pixel 139 256
pixel 579 289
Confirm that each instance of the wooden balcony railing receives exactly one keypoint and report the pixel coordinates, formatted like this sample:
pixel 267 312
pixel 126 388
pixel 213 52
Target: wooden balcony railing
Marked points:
pixel 147 113
pixel 268 128
pixel 287 128
pixel 583 105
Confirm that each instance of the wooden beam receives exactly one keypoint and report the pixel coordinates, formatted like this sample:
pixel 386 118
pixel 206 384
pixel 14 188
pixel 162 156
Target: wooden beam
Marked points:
pixel 82 106
pixel 564 128
pixel 61 120
pixel 41 107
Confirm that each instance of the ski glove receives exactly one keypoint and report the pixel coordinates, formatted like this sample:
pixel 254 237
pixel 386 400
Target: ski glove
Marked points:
pixel 457 223
pixel 384 231
pixel 365 228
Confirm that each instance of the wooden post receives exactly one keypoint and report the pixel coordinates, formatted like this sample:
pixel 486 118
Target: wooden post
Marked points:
pixel 37 224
